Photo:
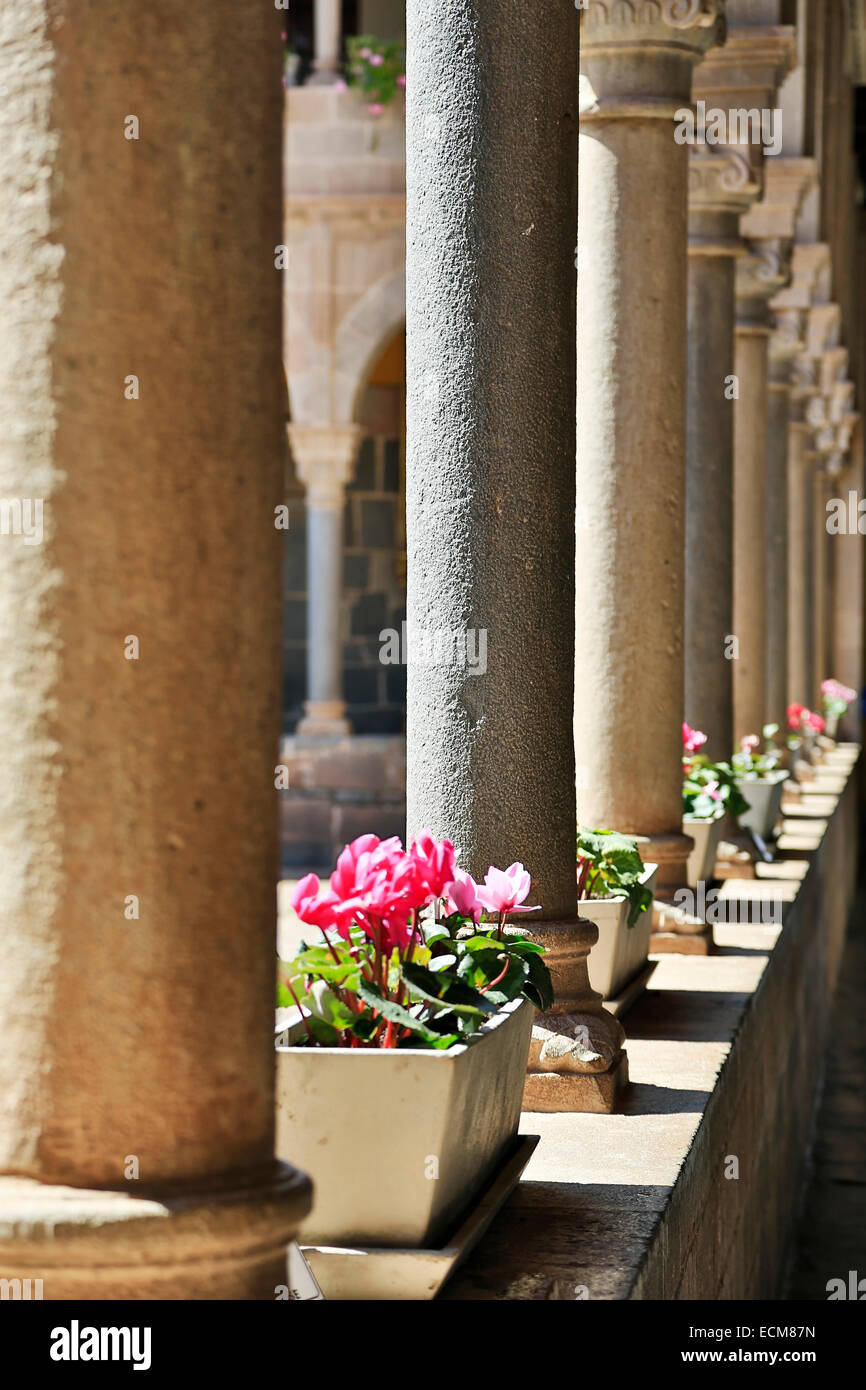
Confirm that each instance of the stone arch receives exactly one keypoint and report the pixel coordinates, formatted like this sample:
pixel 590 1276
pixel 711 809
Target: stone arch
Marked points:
pixel 361 338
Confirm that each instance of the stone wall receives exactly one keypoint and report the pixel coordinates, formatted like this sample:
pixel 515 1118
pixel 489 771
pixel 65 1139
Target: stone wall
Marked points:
pixel 338 790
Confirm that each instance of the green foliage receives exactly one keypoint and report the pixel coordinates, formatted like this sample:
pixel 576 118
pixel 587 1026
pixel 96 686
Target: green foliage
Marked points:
pixel 377 69
pixel 609 865
pixel 749 764
pixel 710 789
pixel 459 975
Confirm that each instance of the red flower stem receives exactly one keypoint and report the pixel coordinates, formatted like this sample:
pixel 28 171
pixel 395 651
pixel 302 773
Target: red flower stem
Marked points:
pixel 306 1021
pixel 500 976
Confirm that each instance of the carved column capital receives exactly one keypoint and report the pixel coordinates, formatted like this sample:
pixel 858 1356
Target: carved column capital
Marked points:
pixel 761 273
pixel 324 459
pixel 636 56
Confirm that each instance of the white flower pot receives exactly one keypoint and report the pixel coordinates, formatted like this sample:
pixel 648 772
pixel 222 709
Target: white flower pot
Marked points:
pixel 702 860
pixel 764 795
pixel 399 1142
pixel 621 951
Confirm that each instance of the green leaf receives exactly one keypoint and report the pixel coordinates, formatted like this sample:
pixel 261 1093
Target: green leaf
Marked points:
pixel 540 983
pixel 445 989
pixel 394 1012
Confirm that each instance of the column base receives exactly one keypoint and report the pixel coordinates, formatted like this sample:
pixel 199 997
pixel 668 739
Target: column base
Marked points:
pixel 323 719
pixel 595 1093
pixel 324 77
pixel 576 1057
pixel 674 929
pixel 225 1240
pixel 668 942
pixel 671 853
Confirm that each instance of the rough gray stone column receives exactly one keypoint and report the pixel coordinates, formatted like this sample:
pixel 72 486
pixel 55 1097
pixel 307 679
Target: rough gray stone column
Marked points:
pixel 721 187
pixel 141 403
pixel 636 74
pixel 491 231
pixel 491 224
pixel 324 458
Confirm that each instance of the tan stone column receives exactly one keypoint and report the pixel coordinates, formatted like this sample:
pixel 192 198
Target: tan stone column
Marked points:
pixel 759 275
pixel 327 42
pixel 636 75
pixel 325 459
pixel 800 470
pixel 788 182
pixel 721 187
pixel 848 581
pixel 822 489
pixel 141 401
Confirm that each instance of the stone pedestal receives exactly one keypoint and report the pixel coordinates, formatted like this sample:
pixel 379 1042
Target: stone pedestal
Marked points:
pixel 576 1057
pixel 636 75
pixel 324 458
pixel 140 712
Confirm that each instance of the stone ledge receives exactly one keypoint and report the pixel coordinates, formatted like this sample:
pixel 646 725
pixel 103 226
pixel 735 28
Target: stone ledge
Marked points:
pixel 724 1055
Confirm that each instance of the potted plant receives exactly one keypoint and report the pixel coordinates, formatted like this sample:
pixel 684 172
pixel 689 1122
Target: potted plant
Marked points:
pixel 614 890
pixel 377 69
pixel 835 698
pixel 804 727
pixel 760 780
pixel 401 1061
pixel 710 792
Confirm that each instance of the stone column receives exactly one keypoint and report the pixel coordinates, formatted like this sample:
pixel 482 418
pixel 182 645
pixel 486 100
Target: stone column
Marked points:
pixel 800 469
pixel 721 186
pixel 788 182
pixel 139 715
pixel 758 277
pixel 848 582
pixel 490 407
pixel 776 682
pixel 823 482
pixel 325 459
pixel 327 42
pixel 636 76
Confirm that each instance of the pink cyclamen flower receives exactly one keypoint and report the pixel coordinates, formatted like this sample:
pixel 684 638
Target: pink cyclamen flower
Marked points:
pixel 365 53
pixel 313 907
pixel 815 722
pixel 749 743
pixel 693 739
pixel 401 80
pixel 375 108
pixel 462 896
pixel 376 60
pixel 504 891
pixel 434 862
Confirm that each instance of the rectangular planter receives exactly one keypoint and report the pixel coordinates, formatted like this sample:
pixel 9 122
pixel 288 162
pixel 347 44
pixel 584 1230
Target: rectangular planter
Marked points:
pixel 621 951
pixel 764 796
pixel 702 860
pixel 398 1143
